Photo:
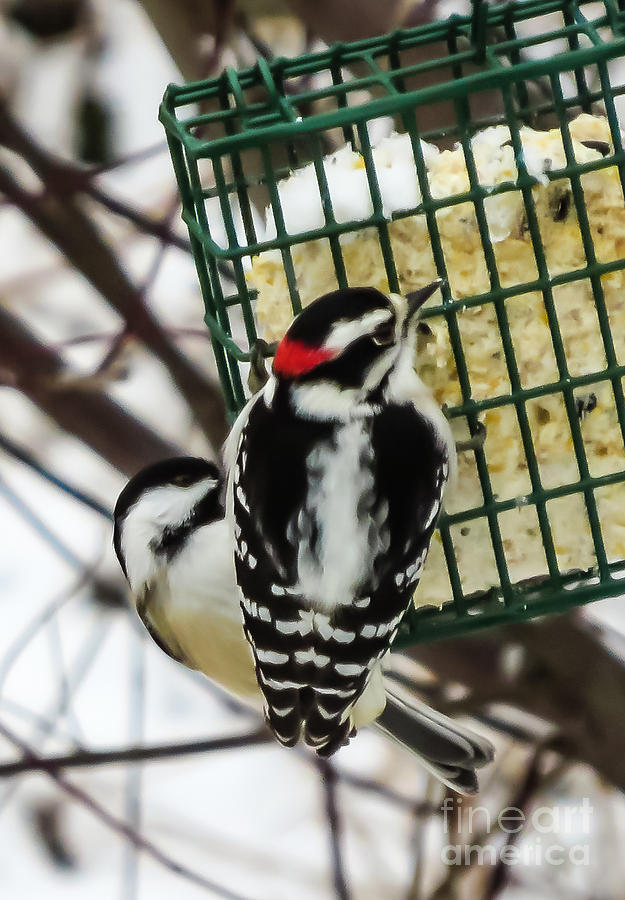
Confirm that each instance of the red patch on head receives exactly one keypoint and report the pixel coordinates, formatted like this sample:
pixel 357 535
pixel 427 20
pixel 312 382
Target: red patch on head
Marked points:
pixel 296 358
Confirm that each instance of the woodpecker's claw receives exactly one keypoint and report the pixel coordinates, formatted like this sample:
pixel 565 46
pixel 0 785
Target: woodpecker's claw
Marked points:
pixel 258 374
pixel 476 442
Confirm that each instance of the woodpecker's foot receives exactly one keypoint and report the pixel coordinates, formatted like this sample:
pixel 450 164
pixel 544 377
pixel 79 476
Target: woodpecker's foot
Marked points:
pixel 258 374
pixel 473 443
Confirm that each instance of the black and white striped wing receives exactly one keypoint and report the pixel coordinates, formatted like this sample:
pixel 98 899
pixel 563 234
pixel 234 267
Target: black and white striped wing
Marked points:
pixel 311 666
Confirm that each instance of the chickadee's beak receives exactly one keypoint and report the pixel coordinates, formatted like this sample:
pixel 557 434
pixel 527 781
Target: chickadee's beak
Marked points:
pixel 416 299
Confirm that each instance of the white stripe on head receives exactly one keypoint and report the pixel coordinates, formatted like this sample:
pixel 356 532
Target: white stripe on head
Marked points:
pixel 346 331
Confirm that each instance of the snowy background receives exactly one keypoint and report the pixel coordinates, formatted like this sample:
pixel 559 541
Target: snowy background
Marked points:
pixel 76 670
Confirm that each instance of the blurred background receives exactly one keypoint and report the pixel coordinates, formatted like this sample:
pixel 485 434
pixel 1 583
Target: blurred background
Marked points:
pixel 123 775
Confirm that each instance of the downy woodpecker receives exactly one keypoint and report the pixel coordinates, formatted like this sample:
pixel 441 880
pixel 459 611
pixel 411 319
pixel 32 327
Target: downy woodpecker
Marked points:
pixel 176 550
pixel 336 474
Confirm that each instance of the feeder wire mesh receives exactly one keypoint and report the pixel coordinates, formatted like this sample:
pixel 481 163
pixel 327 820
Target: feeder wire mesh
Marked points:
pixel 233 138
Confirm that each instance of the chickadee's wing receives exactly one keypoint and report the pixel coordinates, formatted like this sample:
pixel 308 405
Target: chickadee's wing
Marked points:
pixel 149 609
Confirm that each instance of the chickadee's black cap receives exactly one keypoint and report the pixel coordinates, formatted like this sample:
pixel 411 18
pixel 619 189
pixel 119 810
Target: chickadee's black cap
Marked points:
pixel 181 471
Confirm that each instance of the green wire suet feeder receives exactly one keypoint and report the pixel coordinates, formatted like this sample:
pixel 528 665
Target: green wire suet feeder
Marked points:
pixel 233 138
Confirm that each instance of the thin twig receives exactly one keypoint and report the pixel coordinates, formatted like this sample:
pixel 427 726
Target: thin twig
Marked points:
pixel 92 417
pixel 61 679
pixel 120 341
pixel 532 781
pixel 339 879
pixel 29 460
pixel 110 336
pixel 262 48
pixel 81 667
pixel 127 159
pixel 446 888
pixel 121 827
pixel 61 219
pixel 29 632
pixel 58 215
pixel 582 683
pixel 416 807
pixel 86 758
pixel 82 664
pixel 147 225
pixel 415 891
pixel 28 513
pixel 158 228
pixel 43 722
pixel 134 775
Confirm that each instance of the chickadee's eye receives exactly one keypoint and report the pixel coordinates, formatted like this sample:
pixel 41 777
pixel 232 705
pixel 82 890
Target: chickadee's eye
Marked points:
pixel 384 333
pixel 183 480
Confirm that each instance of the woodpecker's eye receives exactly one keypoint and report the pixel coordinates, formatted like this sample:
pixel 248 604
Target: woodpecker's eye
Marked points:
pixel 384 333
pixel 183 480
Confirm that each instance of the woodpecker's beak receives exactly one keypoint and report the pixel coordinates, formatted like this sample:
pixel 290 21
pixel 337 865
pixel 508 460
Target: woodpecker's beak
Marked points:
pixel 416 299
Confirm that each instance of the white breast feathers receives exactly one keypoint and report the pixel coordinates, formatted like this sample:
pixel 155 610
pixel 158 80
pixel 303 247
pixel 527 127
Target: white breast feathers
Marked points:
pixel 334 553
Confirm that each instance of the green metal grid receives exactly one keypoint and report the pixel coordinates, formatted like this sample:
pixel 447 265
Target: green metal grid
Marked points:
pixel 240 133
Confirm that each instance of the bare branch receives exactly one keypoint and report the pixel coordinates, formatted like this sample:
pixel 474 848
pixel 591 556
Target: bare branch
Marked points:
pixel 568 678
pixel 528 787
pixel 84 758
pixel 62 220
pixel 133 800
pixel 121 827
pixel 44 615
pixel 342 20
pixel 62 703
pixel 418 808
pixel 339 879
pixel 181 25
pixel 157 228
pixel 24 456
pixel 42 722
pixel 127 159
pixel 93 418
pixel 26 511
